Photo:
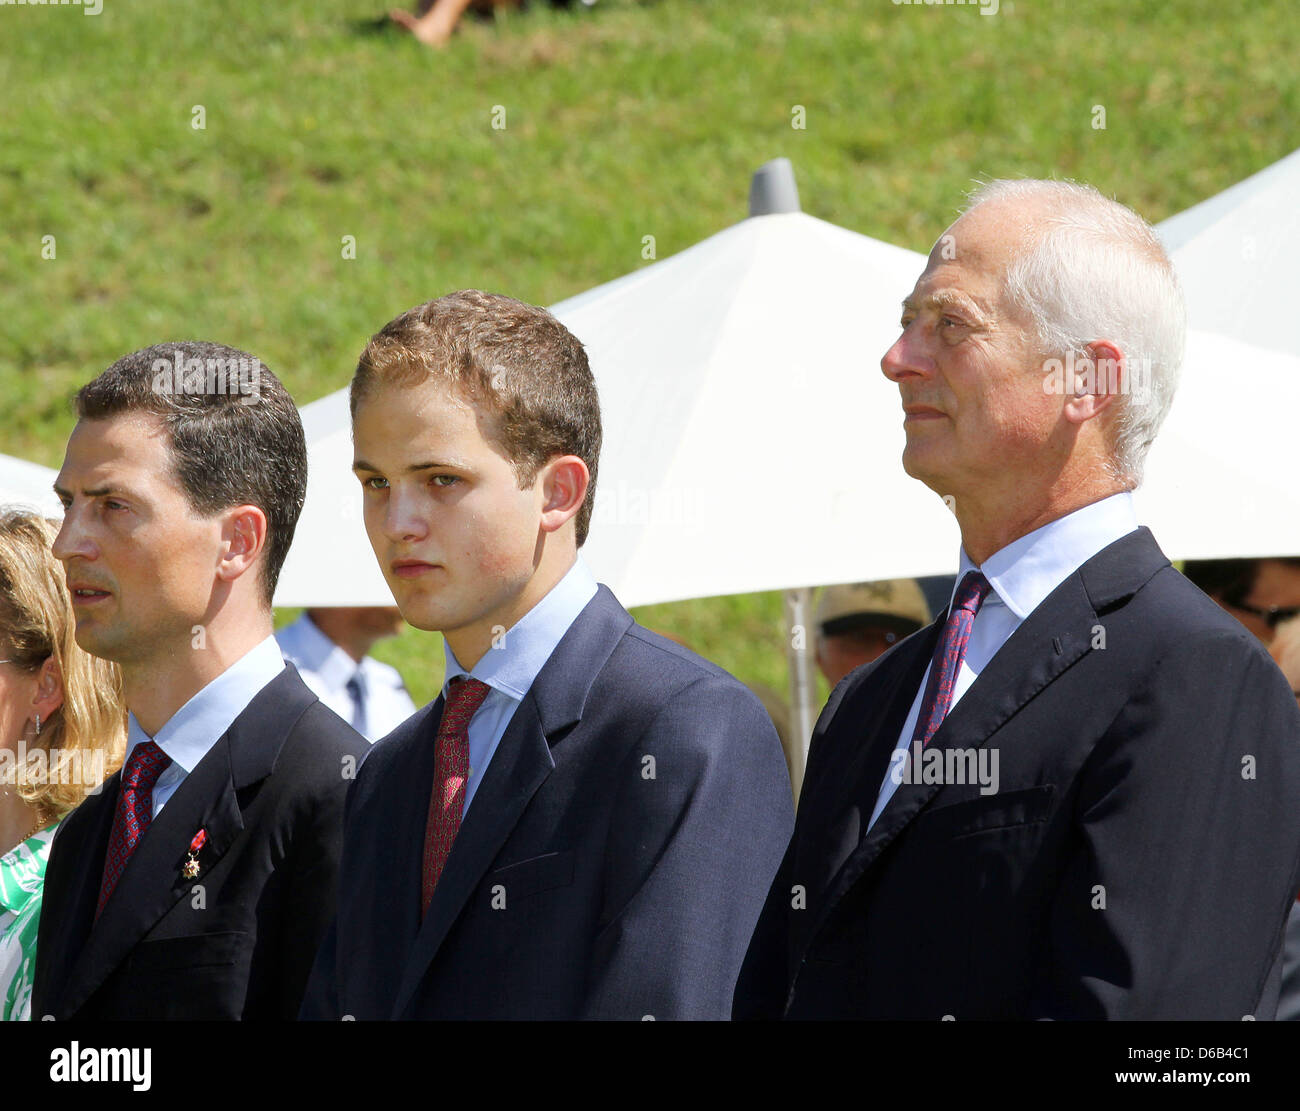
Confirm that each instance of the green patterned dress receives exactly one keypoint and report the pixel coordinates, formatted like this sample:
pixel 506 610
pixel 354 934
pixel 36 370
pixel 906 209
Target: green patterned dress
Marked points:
pixel 22 874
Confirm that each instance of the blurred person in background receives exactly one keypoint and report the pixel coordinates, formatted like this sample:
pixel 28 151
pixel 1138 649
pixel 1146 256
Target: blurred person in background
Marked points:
pixel 858 622
pixel 435 20
pixel 330 646
pixel 62 731
pixel 1260 593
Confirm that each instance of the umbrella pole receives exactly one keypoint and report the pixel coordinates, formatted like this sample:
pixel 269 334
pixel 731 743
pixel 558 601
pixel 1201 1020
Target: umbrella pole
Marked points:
pixel 798 619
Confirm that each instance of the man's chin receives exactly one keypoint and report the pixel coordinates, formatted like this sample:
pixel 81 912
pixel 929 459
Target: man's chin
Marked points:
pixel 93 642
pixel 420 616
pixel 917 466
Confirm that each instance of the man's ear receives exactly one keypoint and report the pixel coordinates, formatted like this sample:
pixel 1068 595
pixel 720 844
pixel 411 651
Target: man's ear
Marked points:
pixel 1097 383
pixel 243 536
pixel 564 481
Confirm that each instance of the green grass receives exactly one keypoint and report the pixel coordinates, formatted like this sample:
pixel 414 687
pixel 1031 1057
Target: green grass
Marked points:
pixel 628 120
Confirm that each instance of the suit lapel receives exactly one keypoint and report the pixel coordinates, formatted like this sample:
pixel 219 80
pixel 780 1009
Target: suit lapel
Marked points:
pixel 1049 641
pixel 520 765
pixel 857 785
pixel 152 882
pixel 1045 645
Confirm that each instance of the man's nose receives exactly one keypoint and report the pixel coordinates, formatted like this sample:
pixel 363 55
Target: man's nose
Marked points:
pixel 72 541
pixel 402 516
pixel 905 357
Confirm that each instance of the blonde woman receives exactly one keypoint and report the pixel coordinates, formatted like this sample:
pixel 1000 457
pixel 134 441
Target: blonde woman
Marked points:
pixel 62 733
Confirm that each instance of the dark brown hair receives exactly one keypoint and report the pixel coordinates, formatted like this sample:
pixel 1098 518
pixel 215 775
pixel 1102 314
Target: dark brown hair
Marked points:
pixel 1230 580
pixel 234 431
pixel 520 365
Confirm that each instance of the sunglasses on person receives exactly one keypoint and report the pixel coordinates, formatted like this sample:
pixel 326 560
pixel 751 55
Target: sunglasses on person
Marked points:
pixel 1272 615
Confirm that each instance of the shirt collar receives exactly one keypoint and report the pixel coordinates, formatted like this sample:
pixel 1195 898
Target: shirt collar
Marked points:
pixel 526 647
pixel 1027 570
pixel 200 723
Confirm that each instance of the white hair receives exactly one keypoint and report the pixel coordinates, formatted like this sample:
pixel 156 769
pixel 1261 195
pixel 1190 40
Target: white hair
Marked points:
pixel 1094 270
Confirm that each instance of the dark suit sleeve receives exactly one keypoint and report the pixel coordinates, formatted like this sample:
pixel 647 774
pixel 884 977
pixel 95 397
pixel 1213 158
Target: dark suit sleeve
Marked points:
pixel 764 979
pixel 1182 860
pixel 702 817
pixel 309 903
pixel 310 896
pixel 320 1001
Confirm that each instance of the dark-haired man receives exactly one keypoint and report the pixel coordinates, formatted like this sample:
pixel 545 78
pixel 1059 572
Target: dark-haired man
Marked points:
pixel 1260 593
pixel 198 883
pixel 585 824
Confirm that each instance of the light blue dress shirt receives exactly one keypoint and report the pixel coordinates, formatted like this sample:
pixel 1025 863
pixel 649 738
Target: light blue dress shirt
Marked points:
pixel 510 666
pixel 1022 575
pixel 327 669
pixel 193 729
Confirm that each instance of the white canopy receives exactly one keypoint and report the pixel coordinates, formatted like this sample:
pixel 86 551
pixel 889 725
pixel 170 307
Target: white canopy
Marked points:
pixel 1235 254
pixel 1220 476
pixel 331 562
pixel 28 485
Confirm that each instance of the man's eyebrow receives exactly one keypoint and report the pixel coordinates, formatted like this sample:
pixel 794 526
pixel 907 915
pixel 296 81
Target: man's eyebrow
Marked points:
pixel 98 492
pixel 413 468
pixel 943 299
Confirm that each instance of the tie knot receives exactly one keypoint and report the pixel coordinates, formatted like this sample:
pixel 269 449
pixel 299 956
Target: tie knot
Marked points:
pixel 971 593
pixel 464 697
pixel 356 686
pixel 146 764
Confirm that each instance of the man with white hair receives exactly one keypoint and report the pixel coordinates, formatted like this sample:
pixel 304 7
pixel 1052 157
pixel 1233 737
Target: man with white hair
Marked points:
pixel 1073 795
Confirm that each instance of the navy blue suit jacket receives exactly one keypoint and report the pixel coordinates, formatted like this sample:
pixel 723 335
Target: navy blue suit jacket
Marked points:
pixel 612 864
pixel 1137 860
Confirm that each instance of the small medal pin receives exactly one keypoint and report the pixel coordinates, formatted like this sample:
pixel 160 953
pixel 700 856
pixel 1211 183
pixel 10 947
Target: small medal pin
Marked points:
pixel 191 869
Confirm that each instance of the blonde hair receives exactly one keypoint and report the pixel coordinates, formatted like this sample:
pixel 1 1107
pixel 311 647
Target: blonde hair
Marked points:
pixel 83 741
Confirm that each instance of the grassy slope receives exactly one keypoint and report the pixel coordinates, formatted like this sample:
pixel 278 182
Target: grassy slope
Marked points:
pixel 630 120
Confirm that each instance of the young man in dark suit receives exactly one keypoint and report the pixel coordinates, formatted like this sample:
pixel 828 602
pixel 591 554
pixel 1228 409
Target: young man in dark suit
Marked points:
pixel 198 882
pixel 1073 796
pixel 585 824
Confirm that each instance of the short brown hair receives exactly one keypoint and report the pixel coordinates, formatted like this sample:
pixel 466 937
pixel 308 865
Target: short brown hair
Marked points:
pixel 516 361
pixel 234 431
pixel 87 734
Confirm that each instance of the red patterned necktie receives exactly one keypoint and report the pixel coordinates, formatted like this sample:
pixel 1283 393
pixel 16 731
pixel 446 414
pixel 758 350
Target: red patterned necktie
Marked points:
pixel 134 812
pixel 948 654
pixel 450 771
